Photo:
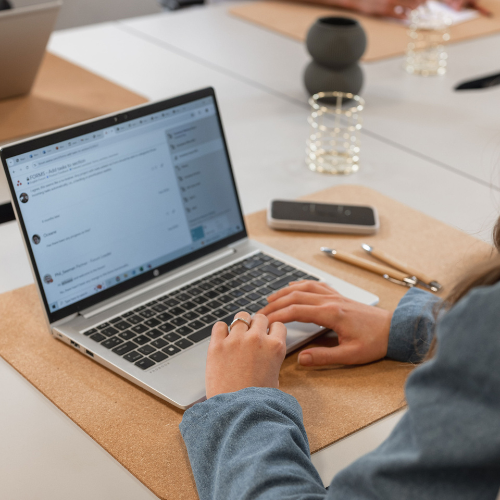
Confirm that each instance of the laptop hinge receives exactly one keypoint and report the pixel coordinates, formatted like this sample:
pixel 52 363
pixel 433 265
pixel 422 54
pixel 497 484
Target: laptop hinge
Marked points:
pixel 89 313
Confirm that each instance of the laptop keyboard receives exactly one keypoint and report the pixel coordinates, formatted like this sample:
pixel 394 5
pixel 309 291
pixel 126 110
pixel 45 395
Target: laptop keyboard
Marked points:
pixel 164 327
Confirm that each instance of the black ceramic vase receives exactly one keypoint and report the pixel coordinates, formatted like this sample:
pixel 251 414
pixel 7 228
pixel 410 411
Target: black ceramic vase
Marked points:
pixel 336 44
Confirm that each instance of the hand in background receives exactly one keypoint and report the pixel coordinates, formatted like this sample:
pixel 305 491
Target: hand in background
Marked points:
pixel 363 331
pixel 245 357
pixel 382 8
pixel 458 4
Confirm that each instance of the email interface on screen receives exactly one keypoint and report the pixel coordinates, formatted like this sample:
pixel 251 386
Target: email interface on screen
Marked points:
pixel 105 207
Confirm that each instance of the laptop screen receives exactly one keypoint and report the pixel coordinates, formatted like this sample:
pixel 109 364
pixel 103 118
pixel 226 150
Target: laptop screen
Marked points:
pixel 106 207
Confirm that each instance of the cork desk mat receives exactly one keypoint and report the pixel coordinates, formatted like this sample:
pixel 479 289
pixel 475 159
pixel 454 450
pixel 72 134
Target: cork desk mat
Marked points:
pixel 141 430
pixel 386 38
pixel 62 94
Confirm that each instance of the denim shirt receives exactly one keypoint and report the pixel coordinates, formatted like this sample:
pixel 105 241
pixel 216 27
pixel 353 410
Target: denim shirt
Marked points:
pixel 252 444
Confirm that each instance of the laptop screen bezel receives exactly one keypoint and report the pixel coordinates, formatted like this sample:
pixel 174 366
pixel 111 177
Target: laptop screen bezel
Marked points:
pixel 93 126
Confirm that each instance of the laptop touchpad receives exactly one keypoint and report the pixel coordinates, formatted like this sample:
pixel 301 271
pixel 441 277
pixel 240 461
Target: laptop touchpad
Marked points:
pixel 300 333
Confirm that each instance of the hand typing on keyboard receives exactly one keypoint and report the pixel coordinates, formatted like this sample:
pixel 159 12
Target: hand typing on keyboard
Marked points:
pixel 245 357
pixel 363 331
pixel 169 325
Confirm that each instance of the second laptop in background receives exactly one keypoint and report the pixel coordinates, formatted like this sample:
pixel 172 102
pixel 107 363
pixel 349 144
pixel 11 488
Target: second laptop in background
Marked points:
pixel 24 33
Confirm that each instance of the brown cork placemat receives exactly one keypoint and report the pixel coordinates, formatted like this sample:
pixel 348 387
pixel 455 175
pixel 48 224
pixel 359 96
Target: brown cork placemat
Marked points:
pixel 62 94
pixel 386 38
pixel 141 431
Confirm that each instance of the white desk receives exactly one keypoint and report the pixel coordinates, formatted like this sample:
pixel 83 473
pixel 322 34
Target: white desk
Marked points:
pixel 458 130
pixel 264 114
pixel 266 131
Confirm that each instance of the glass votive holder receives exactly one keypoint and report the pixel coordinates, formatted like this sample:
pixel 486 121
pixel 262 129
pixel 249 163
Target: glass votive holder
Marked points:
pixel 428 33
pixel 333 145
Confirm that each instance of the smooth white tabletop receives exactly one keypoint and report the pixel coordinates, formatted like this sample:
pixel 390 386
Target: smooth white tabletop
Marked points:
pixel 257 77
pixel 266 131
pixel 458 130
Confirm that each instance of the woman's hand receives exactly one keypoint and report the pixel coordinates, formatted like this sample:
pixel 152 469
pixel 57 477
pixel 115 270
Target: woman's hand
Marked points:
pixel 390 8
pixel 363 331
pixel 383 8
pixel 245 357
pixel 459 4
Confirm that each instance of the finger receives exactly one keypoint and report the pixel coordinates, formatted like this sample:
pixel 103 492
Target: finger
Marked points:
pixel 453 4
pixel 457 4
pixel 319 356
pixel 296 297
pixel 239 327
pixel 461 4
pixel 278 330
pixel 304 286
pixel 321 284
pixel 409 4
pixel 219 331
pixel 259 324
pixel 304 314
pixel 313 285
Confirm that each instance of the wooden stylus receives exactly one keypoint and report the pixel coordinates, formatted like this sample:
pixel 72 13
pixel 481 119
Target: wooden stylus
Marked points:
pixel 386 272
pixel 423 279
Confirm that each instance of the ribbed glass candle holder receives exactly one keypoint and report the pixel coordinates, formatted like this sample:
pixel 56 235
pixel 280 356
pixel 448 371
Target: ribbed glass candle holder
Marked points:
pixel 333 145
pixel 428 33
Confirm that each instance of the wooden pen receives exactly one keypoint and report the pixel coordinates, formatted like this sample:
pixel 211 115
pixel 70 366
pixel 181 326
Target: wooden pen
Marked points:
pixel 387 273
pixel 422 278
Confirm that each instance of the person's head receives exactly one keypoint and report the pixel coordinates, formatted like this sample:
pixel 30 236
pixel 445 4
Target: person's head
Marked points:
pixel 36 239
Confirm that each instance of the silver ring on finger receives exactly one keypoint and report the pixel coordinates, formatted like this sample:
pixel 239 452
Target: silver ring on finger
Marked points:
pixel 236 320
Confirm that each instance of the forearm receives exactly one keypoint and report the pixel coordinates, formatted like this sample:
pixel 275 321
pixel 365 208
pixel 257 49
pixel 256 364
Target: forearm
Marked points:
pixel 447 445
pixel 250 444
pixel 412 326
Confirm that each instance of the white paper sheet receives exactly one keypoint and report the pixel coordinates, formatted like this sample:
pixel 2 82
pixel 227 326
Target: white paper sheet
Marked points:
pixel 435 8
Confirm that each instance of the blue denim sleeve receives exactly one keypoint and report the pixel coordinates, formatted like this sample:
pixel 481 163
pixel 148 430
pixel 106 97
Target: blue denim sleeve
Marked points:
pixel 447 445
pixel 412 326
pixel 250 444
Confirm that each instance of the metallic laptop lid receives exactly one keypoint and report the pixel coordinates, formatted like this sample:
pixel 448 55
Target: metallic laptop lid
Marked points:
pixel 112 203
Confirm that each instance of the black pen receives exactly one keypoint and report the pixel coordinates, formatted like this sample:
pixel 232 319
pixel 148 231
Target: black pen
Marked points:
pixel 480 83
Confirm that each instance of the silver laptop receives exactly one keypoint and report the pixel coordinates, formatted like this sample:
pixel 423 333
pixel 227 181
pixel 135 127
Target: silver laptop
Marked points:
pixel 24 33
pixel 138 245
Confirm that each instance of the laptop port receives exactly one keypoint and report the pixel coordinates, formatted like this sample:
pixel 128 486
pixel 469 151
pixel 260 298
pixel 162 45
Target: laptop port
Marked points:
pixel 75 345
pixel 91 354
